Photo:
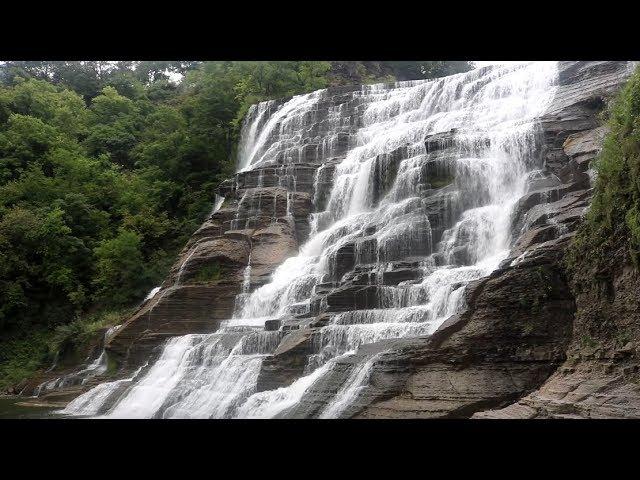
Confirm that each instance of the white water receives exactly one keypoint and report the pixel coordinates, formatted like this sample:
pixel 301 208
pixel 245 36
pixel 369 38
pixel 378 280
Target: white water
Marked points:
pixel 350 390
pixel 219 200
pixel 287 120
pixel 152 293
pixel 491 115
pixel 94 368
pixel 91 402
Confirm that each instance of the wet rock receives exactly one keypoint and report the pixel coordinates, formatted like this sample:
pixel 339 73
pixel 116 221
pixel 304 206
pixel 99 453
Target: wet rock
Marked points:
pixel 270 246
pixel 229 254
pixel 541 182
pixel 532 237
pixel 344 260
pixel 385 169
pixel 272 325
pixel 534 203
pixel 226 188
pixel 512 337
pixel 460 255
pixel 323 184
pixel 394 277
pixel 442 209
pixel 583 90
pixel 354 297
pixel 440 141
pixel 287 362
pixel 322 288
pixel 293 177
pixel 174 311
pixel 585 146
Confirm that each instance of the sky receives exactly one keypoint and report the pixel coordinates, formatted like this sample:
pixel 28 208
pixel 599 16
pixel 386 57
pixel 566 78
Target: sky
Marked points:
pixel 484 63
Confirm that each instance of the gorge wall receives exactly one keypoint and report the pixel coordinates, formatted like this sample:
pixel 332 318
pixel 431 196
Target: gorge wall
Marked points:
pixel 383 252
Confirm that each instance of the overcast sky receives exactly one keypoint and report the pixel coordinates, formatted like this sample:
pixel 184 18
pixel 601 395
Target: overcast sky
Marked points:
pixel 484 63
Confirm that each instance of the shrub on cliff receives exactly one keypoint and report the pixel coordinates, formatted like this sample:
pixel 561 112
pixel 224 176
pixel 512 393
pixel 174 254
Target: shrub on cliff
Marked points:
pixel 610 234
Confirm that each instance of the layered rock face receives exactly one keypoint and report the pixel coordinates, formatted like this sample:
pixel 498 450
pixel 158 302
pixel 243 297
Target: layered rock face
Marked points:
pixel 600 377
pixel 257 225
pixel 383 252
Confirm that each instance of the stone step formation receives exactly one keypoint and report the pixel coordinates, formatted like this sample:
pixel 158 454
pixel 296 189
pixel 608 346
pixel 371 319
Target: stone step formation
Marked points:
pixel 374 244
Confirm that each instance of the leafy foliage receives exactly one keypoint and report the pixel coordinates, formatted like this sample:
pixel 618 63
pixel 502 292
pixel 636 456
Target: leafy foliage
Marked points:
pixel 415 70
pixel 611 231
pixel 209 273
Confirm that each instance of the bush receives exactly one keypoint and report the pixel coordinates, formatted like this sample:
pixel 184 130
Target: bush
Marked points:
pixel 209 273
pixel 84 329
pixel 612 225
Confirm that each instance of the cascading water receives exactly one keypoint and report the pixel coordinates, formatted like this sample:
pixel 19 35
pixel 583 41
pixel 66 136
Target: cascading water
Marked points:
pixel 425 173
pixel 93 368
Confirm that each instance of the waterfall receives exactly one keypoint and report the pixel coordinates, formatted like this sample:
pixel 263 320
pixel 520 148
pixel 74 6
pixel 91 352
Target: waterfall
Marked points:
pixel 425 173
pixel 152 293
pixel 349 391
pixel 217 204
pixel 93 368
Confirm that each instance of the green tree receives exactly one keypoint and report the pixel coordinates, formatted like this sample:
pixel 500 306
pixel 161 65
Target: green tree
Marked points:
pixel 114 125
pixel 416 70
pixel 119 269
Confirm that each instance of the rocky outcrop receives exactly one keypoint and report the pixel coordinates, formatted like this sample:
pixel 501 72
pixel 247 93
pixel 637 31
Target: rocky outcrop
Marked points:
pixel 517 328
pixel 287 362
pixel 601 376
pixel 499 375
pixel 257 226
pixel 512 336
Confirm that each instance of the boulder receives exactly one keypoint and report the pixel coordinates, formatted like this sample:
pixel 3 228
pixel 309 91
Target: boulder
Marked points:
pixel 287 362
pixel 175 310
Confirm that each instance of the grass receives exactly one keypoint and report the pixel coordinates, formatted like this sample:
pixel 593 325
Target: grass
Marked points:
pixel 23 354
pixel 209 273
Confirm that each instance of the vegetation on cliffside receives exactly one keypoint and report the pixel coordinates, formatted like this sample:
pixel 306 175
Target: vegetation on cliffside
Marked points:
pixel 610 235
pixel 106 169
pixel 604 258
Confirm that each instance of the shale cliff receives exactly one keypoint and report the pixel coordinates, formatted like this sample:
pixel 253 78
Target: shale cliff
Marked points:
pixel 517 348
